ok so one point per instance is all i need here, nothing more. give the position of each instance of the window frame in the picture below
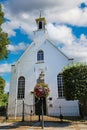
(21, 88)
(60, 86)
(40, 56)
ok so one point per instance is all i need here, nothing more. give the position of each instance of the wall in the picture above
(27, 66)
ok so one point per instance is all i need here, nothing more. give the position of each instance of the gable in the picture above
(45, 45)
(56, 48)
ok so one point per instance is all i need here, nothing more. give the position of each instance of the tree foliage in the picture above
(4, 41)
(5, 99)
(2, 86)
(3, 96)
(75, 81)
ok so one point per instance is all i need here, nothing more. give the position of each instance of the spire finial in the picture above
(40, 13)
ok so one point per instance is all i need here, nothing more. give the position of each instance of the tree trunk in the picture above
(83, 107)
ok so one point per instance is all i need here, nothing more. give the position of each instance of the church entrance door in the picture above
(38, 106)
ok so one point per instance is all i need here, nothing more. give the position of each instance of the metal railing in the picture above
(27, 112)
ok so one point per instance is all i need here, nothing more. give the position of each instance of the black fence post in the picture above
(23, 112)
(31, 112)
(60, 116)
(7, 111)
(42, 115)
(39, 117)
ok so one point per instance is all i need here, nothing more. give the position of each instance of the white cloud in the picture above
(21, 21)
(75, 16)
(78, 49)
(18, 6)
(19, 47)
(83, 39)
(5, 68)
(9, 28)
(71, 46)
(22, 14)
(7, 87)
(61, 34)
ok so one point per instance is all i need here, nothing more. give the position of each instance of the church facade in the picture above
(41, 58)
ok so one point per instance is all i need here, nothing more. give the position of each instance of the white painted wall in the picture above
(27, 66)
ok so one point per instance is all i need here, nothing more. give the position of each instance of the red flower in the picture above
(41, 90)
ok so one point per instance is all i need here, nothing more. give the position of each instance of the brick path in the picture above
(48, 126)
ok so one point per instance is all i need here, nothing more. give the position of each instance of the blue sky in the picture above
(66, 26)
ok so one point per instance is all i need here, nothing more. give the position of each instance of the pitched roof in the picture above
(52, 43)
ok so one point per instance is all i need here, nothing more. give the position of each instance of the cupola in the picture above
(41, 22)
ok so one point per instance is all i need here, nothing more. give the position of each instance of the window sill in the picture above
(60, 98)
(20, 99)
(39, 62)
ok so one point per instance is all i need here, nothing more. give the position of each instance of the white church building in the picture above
(41, 57)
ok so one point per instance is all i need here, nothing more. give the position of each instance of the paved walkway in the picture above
(47, 126)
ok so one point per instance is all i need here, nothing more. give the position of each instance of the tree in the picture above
(3, 96)
(2, 86)
(75, 82)
(4, 41)
(5, 99)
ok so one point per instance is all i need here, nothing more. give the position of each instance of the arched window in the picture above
(21, 88)
(60, 86)
(40, 25)
(40, 55)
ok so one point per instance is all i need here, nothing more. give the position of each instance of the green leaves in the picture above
(2, 85)
(1, 15)
(3, 96)
(4, 41)
(75, 81)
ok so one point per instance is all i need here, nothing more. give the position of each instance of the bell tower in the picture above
(41, 22)
(41, 31)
